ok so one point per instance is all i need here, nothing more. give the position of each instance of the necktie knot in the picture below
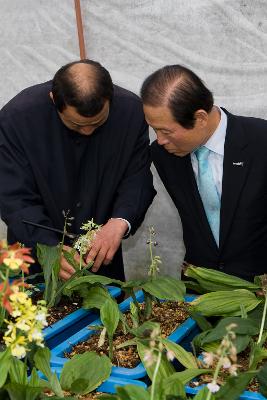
(202, 153)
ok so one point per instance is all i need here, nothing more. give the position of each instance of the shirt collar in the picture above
(216, 141)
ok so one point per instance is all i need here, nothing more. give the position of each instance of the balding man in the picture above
(75, 143)
(214, 166)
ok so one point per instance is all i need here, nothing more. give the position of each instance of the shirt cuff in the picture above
(129, 226)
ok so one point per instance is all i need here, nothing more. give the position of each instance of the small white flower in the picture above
(213, 387)
(208, 358)
(226, 363)
(37, 335)
(42, 318)
(170, 355)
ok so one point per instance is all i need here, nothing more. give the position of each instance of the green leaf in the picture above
(262, 378)
(42, 362)
(49, 259)
(165, 369)
(35, 380)
(91, 280)
(173, 387)
(96, 297)
(203, 393)
(184, 357)
(18, 372)
(223, 303)
(77, 370)
(243, 327)
(202, 322)
(220, 280)
(69, 257)
(188, 374)
(133, 283)
(18, 391)
(145, 329)
(133, 392)
(110, 315)
(5, 362)
(234, 386)
(165, 287)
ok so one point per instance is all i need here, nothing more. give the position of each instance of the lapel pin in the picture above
(239, 163)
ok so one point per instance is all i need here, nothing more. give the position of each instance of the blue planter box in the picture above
(181, 335)
(109, 386)
(66, 327)
(245, 396)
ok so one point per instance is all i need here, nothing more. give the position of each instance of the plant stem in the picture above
(216, 373)
(155, 376)
(263, 319)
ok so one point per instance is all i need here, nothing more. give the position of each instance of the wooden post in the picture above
(79, 23)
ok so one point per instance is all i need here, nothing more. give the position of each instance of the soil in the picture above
(169, 314)
(89, 396)
(66, 306)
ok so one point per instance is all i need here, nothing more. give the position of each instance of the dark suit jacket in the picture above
(46, 168)
(243, 220)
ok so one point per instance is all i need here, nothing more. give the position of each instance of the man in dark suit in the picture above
(76, 143)
(224, 228)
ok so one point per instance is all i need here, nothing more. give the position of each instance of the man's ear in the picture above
(51, 96)
(201, 118)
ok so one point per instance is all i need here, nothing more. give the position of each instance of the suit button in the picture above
(78, 205)
(221, 266)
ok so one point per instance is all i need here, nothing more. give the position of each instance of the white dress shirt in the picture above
(216, 145)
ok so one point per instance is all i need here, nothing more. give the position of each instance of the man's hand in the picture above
(106, 242)
(67, 270)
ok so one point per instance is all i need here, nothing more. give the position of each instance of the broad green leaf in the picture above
(42, 362)
(132, 392)
(18, 391)
(5, 362)
(70, 259)
(225, 303)
(188, 374)
(35, 380)
(173, 387)
(202, 322)
(165, 369)
(165, 287)
(77, 370)
(96, 297)
(49, 259)
(257, 354)
(184, 357)
(91, 280)
(212, 276)
(235, 386)
(243, 327)
(262, 378)
(203, 393)
(110, 315)
(145, 329)
(18, 372)
(133, 283)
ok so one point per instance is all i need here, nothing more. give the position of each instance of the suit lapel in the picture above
(235, 170)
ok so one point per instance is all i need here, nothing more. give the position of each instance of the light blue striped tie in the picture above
(208, 191)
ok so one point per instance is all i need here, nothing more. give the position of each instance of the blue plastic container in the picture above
(245, 396)
(181, 334)
(66, 327)
(109, 386)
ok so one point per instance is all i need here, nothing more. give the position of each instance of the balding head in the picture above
(180, 90)
(84, 85)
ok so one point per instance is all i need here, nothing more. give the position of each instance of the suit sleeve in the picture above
(136, 191)
(19, 196)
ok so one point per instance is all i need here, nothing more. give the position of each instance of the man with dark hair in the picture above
(214, 166)
(76, 143)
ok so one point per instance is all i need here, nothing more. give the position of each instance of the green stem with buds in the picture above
(153, 386)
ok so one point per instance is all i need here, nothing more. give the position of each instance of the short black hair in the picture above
(181, 90)
(86, 92)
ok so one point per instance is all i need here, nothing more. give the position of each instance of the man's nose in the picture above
(161, 140)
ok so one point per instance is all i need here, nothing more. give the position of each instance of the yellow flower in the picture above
(12, 262)
(19, 297)
(18, 351)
